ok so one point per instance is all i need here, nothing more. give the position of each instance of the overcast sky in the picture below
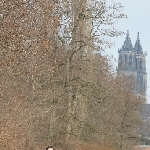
(138, 12)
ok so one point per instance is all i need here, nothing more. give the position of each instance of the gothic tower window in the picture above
(130, 57)
(130, 60)
(141, 81)
(144, 87)
(125, 57)
(120, 57)
(141, 84)
(136, 61)
(141, 64)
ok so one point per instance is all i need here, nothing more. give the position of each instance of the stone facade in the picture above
(131, 62)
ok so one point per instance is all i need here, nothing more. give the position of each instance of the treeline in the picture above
(55, 89)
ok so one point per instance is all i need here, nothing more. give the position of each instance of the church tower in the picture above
(131, 62)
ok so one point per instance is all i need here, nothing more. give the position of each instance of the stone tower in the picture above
(131, 62)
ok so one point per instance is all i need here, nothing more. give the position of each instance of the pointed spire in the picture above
(127, 33)
(127, 43)
(138, 47)
(138, 36)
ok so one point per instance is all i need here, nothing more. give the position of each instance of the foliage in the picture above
(54, 88)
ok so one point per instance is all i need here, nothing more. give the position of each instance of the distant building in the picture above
(131, 62)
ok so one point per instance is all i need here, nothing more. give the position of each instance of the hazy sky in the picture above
(138, 12)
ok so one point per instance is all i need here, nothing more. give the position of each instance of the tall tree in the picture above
(54, 89)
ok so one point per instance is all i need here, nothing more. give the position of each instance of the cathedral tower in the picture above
(131, 62)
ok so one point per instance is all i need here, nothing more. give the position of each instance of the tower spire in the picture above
(127, 33)
(127, 43)
(138, 36)
(138, 47)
